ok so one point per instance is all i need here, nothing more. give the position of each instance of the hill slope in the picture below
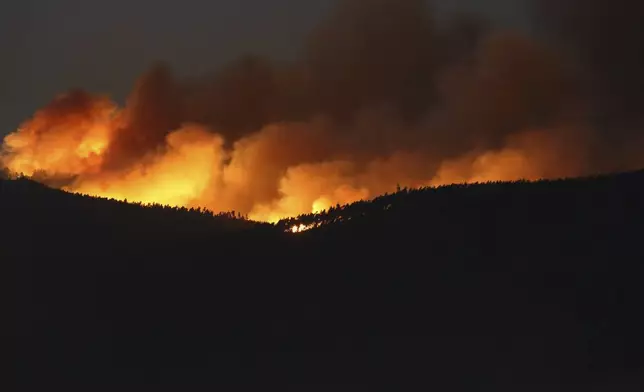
(525, 286)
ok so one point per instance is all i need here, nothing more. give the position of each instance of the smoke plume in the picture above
(606, 39)
(381, 96)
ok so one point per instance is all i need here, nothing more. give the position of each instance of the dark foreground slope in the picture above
(527, 286)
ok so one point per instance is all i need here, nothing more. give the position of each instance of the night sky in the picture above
(50, 46)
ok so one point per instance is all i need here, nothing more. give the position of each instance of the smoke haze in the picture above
(381, 96)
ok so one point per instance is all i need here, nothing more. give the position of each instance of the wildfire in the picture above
(60, 141)
(261, 175)
(164, 147)
(334, 126)
(301, 228)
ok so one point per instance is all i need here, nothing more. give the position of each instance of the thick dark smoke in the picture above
(380, 95)
(380, 61)
(372, 53)
(154, 108)
(606, 38)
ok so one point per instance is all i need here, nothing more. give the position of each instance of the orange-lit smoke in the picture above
(283, 170)
(336, 127)
(70, 136)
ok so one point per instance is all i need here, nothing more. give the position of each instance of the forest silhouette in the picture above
(498, 286)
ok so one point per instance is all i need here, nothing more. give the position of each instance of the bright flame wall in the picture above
(371, 104)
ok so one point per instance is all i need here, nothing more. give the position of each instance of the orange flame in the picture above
(270, 175)
(301, 228)
(422, 117)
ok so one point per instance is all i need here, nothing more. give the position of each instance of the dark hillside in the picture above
(508, 286)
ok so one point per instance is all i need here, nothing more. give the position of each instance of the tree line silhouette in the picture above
(499, 286)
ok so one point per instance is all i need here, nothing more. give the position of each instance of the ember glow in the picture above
(334, 127)
(301, 228)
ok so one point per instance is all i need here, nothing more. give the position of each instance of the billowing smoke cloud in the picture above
(606, 40)
(607, 36)
(153, 108)
(381, 96)
(372, 53)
